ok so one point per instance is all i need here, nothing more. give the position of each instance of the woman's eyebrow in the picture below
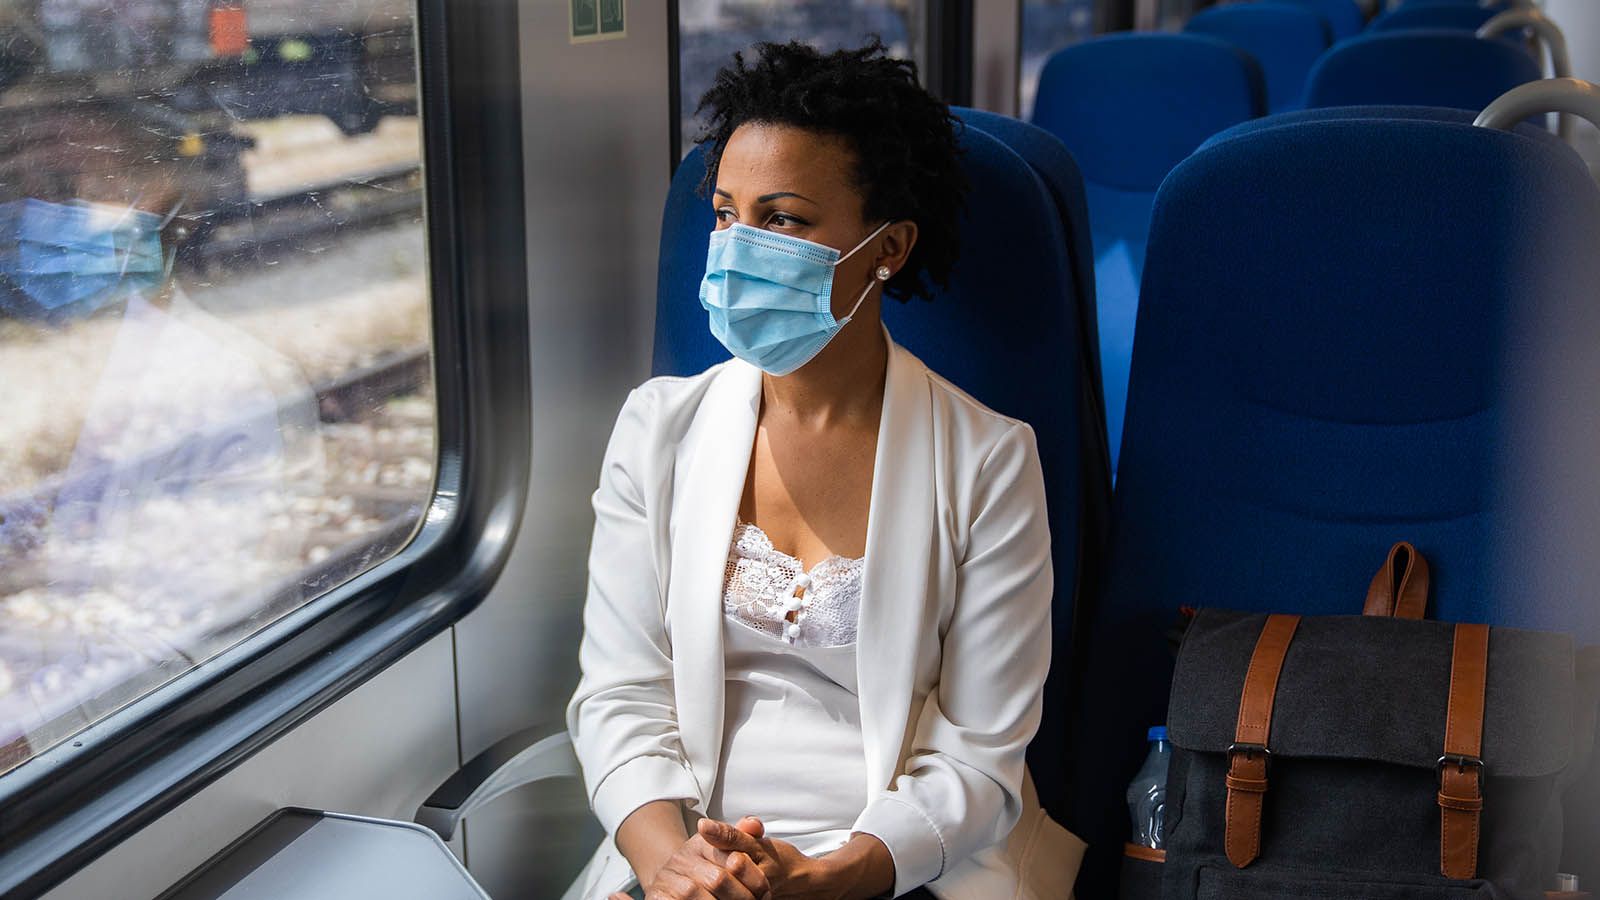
(768, 198)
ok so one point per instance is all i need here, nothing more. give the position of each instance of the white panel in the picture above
(378, 752)
(597, 158)
(1580, 23)
(996, 36)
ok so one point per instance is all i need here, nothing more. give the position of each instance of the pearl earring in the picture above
(883, 273)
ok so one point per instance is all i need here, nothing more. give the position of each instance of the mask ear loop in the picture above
(868, 289)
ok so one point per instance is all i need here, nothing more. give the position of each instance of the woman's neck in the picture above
(842, 383)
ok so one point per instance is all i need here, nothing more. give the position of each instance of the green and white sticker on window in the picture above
(598, 20)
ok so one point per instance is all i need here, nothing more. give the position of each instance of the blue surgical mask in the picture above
(770, 296)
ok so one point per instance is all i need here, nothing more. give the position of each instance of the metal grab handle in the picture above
(1564, 95)
(1548, 33)
(534, 754)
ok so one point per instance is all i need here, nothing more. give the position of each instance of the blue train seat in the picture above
(1053, 163)
(1425, 67)
(1286, 38)
(1000, 331)
(1435, 14)
(1129, 107)
(1352, 331)
(1344, 17)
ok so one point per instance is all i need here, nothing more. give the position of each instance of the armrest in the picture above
(533, 754)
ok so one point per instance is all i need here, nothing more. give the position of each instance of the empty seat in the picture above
(1344, 17)
(1433, 67)
(1353, 331)
(1129, 107)
(1285, 38)
(1000, 331)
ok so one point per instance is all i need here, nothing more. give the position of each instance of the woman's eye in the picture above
(724, 215)
(784, 220)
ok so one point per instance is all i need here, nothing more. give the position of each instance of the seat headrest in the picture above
(1459, 16)
(1425, 67)
(1344, 16)
(1334, 113)
(1131, 106)
(1285, 38)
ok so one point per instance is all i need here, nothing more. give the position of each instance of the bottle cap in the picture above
(1158, 733)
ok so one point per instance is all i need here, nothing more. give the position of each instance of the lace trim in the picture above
(760, 585)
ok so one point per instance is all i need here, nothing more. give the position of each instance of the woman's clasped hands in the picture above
(730, 862)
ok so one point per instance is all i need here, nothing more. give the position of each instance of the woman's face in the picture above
(792, 181)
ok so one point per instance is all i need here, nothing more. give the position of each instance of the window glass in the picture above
(711, 31)
(215, 379)
(1047, 26)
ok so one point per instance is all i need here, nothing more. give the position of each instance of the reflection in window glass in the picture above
(1047, 26)
(711, 31)
(215, 379)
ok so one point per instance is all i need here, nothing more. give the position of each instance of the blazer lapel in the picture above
(897, 602)
(713, 462)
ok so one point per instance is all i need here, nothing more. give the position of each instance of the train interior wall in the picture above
(596, 146)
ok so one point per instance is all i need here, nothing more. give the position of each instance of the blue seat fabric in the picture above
(1429, 67)
(1053, 163)
(1000, 331)
(1353, 331)
(1129, 107)
(1285, 38)
(1433, 15)
(1344, 17)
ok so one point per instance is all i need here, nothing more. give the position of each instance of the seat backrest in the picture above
(1344, 17)
(1000, 331)
(1286, 38)
(1425, 67)
(1435, 14)
(1353, 331)
(1053, 163)
(1129, 107)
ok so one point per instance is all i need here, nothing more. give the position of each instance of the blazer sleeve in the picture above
(622, 717)
(961, 788)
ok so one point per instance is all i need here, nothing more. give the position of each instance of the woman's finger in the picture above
(752, 826)
(749, 874)
(721, 883)
(723, 836)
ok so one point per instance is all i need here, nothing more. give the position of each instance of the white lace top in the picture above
(791, 742)
(763, 585)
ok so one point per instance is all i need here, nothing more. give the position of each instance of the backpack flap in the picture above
(1357, 731)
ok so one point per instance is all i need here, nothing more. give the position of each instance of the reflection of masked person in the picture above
(168, 532)
(60, 261)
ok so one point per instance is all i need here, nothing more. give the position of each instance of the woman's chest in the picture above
(811, 492)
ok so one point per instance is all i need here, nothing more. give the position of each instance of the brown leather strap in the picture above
(1461, 767)
(1247, 758)
(1146, 854)
(1400, 589)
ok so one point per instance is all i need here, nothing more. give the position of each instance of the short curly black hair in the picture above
(908, 164)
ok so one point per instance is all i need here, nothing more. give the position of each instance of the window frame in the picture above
(72, 802)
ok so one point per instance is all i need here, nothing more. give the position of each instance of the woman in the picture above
(818, 614)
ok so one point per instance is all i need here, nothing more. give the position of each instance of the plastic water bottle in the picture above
(1147, 793)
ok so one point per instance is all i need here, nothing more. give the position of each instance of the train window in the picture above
(216, 397)
(711, 31)
(1047, 26)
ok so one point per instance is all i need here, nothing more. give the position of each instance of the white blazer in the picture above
(953, 638)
